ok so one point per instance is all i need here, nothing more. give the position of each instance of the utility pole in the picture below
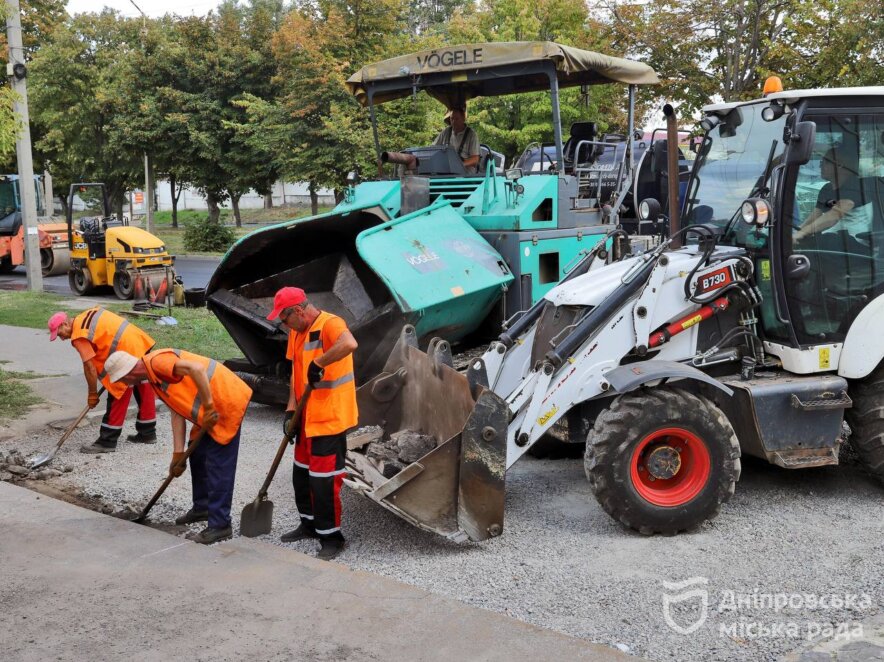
(17, 73)
(148, 175)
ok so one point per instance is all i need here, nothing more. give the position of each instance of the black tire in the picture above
(6, 265)
(680, 424)
(47, 260)
(80, 280)
(195, 297)
(124, 285)
(866, 421)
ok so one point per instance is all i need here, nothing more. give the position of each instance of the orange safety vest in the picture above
(108, 332)
(230, 394)
(331, 408)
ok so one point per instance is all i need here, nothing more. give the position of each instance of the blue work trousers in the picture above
(212, 473)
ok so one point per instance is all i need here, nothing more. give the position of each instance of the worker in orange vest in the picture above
(97, 333)
(321, 350)
(209, 395)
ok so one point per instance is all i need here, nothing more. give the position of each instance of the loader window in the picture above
(837, 224)
(729, 168)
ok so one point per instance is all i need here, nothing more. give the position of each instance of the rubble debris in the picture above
(412, 446)
(14, 466)
(392, 455)
(364, 436)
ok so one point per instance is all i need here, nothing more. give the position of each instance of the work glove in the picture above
(314, 373)
(286, 422)
(210, 418)
(175, 468)
(93, 399)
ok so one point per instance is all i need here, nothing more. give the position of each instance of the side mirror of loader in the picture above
(800, 140)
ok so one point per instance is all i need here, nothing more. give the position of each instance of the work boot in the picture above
(142, 438)
(301, 533)
(330, 548)
(209, 535)
(192, 516)
(97, 447)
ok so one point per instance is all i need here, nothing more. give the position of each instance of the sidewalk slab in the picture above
(83, 586)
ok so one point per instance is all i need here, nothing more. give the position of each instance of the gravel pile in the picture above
(14, 466)
(562, 563)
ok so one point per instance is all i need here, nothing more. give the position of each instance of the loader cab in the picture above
(10, 203)
(817, 159)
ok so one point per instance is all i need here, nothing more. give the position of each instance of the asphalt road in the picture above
(195, 271)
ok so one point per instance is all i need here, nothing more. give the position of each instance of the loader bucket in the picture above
(457, 489)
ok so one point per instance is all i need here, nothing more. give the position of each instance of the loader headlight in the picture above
(649, 209)
(755, 211)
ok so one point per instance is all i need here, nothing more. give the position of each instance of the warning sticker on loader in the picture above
(825, 358)
(548, 415)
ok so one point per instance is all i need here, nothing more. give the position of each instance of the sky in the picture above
(150, 7)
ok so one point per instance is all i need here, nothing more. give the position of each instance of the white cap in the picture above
(118, 365)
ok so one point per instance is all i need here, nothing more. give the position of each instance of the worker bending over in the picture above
(96, 334)
(321, 350)
(209, 395)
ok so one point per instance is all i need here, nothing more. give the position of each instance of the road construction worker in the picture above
(96, 334)
(209, 395)
(321, 350)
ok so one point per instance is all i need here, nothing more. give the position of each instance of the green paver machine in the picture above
(434, 246)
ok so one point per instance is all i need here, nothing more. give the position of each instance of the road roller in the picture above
(52, 236)
(107, 251)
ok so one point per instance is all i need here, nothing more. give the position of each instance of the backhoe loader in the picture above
(754, 329)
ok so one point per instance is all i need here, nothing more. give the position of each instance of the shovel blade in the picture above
(42, 460)
(256, 518)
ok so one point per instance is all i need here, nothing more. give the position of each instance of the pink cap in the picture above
(56, 321)
(285, 298)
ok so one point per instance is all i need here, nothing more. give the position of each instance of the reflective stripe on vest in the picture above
(197, 403)
(93, 325)
(337, 382)
(113, 346)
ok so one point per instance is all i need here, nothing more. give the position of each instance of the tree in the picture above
(705, 51)
(74, 86)
(509, 124)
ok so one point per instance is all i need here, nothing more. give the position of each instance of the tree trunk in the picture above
(174, 201)
(268, 201)
(64, 203)
(234, 202)
(119, 202)
(314, 199)
(214, 209)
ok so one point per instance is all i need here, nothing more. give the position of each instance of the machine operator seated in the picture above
(461, 138)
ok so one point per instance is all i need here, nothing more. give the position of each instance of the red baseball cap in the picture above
(56, 321)
(285, 298)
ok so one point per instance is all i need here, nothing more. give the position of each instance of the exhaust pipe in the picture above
(672, 172)
(410, 161)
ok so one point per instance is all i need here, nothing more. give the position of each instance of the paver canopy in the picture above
(456, 73)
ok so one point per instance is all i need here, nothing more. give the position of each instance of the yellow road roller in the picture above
(107, 251)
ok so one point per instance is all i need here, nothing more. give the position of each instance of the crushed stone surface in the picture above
(561, 562)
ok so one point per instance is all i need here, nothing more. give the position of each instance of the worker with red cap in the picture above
(320, 347)
(209, 395)
(97, 333)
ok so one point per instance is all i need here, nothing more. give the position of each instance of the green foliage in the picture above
(207, 235)
(15, 396)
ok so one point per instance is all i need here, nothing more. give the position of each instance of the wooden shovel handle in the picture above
(183, 461)
(294, 424)
(73, 426)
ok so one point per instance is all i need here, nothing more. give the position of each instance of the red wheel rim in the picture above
(688, 481)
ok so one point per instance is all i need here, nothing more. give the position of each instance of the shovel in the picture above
(181, 463)
(257, 517)
(42, 460)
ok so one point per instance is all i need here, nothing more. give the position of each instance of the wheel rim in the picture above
(689, 473)
(45, 259)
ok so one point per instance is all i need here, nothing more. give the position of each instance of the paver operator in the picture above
(321, 348)
(96, 334)
(200, 390)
